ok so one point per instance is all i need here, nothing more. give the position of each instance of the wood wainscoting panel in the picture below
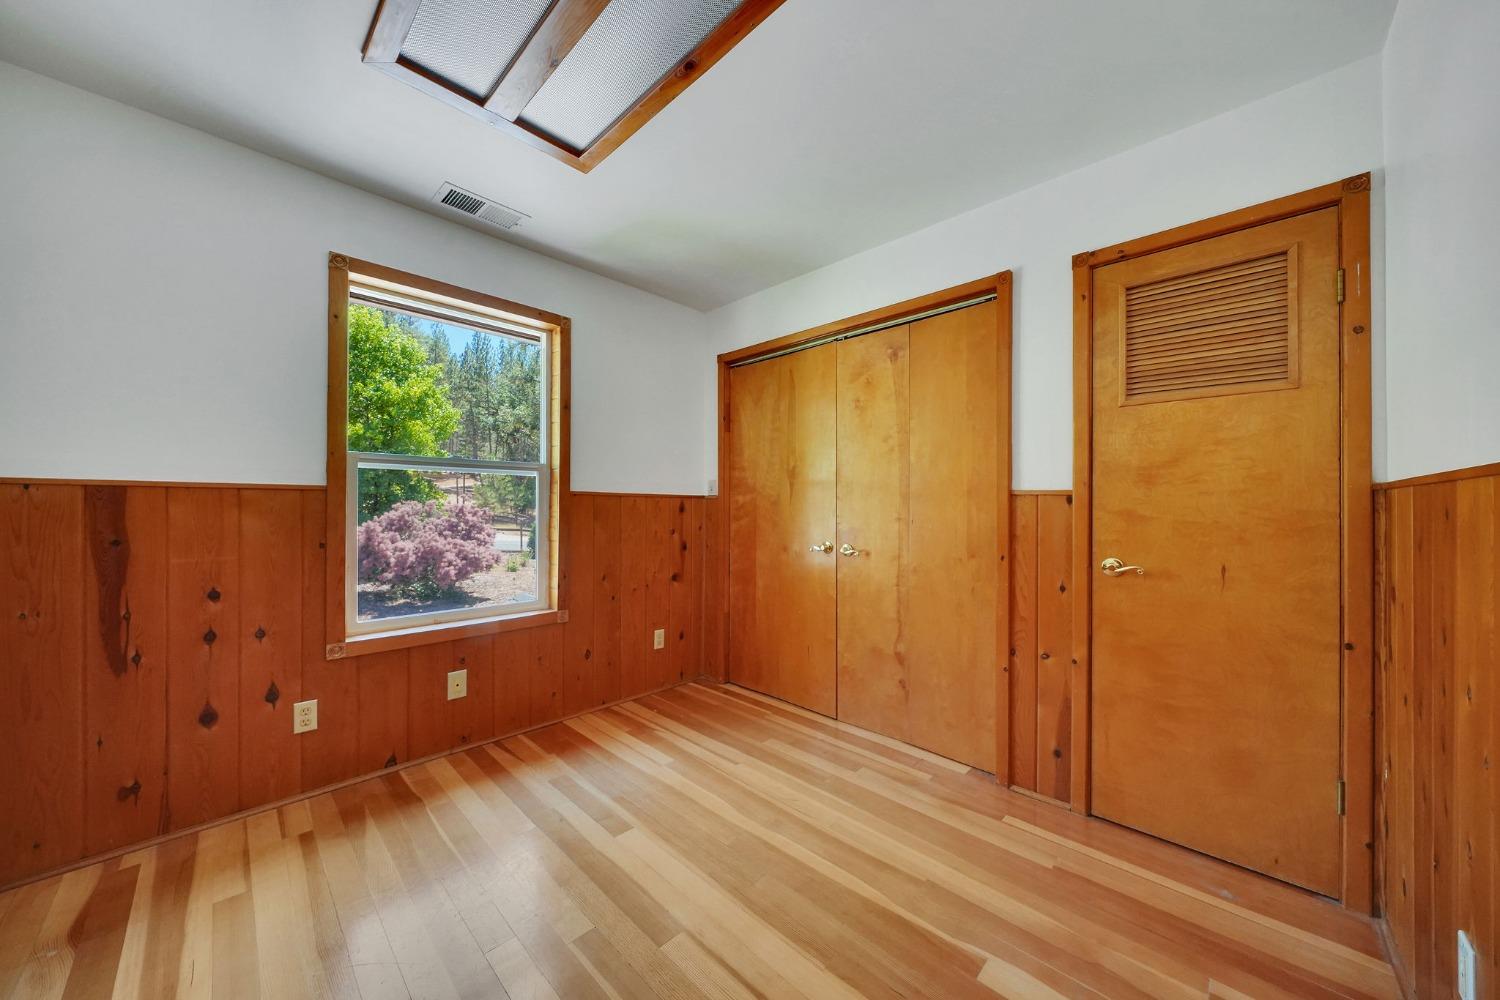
(715, 589)
(578, 568)
(1054, 642)
(124, 664)
(1041, 644)
(155, 639)
(1438, 646)
(657, 533)
(270, 547)
(686, 535)
(203, 663)
(384, 733)
(600, 591)
(1023, 660)
(42, 711)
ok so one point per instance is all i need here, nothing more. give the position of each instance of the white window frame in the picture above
(407, 301)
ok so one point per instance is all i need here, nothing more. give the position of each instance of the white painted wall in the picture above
(162, 295)
(1442, 141)
(1319, 131)
(162, 291)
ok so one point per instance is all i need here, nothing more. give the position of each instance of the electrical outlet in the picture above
(458, 684)
(305, 716)
(1467, 960)
(659, 639)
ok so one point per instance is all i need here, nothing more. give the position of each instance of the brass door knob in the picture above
(848, 550)
(824, 547)
(1116, 567)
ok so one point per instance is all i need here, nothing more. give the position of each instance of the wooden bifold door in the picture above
(866, 522)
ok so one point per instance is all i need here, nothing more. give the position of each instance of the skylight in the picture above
(574, 78)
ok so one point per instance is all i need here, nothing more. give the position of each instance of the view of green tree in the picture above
(496, 385)
(398, 403)
(419, 387)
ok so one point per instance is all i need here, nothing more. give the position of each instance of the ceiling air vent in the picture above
(491, 213)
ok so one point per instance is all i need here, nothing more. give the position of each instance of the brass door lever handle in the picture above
(848, 550)
(824, 547)
(1116, 567)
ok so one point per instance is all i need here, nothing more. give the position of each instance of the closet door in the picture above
(874, 443)
(955, 618)
(919, 481)
(782, 564)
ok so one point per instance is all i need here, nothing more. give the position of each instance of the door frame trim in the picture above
(1000, 285)
(1351, 197)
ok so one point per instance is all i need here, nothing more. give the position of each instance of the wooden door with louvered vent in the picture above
(1215, 692)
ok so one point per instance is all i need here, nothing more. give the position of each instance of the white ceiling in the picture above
(836, 126)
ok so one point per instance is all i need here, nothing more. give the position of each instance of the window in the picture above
(445, 444)
(573, 79)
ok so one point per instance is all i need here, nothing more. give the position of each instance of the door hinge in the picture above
(1339, 795)
(1339, 285)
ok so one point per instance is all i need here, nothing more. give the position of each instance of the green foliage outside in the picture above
(398, 403)
(497, 384)
(410, 394)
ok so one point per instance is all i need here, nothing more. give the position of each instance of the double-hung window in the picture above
(447, 429)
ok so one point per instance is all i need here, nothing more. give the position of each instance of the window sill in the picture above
(426, 635)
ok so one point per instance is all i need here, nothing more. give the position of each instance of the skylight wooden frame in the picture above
(552, 39)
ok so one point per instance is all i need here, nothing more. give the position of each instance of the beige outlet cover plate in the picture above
(458, 684)
(305, 716)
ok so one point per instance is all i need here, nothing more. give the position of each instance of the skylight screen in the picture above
(470, 42)
(632, 45)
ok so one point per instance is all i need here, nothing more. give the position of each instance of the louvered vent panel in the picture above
(463, 201)
(1228, 329)
(486, 210)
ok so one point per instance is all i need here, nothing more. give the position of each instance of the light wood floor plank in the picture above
(700, 842)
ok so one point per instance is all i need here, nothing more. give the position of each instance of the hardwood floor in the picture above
(705, 841)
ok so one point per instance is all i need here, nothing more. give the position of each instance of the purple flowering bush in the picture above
(426, 549)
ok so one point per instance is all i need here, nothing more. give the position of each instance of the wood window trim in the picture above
(1001, 287)
(338, 643)
(1351, 197)
(551, 40)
